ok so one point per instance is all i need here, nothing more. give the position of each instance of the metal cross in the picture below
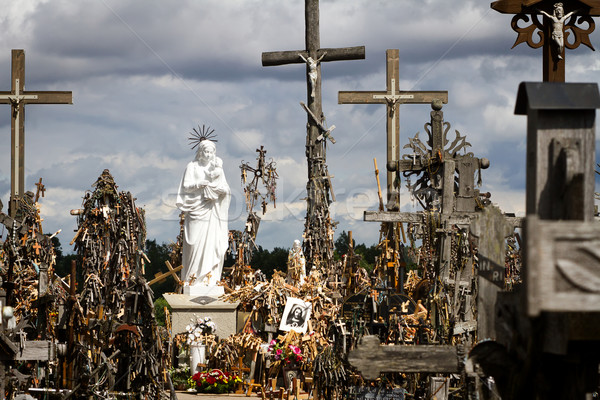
(17, 98)
(392, 97)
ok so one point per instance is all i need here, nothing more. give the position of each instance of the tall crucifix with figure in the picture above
(392, 97)
(559, 20)
(318, 241)
(17, 98)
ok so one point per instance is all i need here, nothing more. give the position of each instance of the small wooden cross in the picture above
(392, 97)
(40, 189)
(163, 276)
(37, 248)
(118, 206)
(17, 98)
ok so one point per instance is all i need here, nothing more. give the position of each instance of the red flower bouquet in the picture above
(215, 381)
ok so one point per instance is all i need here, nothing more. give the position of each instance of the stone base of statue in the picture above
(199, 291)
(188, 307)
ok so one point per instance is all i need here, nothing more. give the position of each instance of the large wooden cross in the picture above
(392, 97)
(318, 186)
(17, 98)
(553, 56)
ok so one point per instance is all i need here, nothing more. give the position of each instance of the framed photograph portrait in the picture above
(295, 315)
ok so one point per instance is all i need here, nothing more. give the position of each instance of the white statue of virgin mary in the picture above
(204, 197)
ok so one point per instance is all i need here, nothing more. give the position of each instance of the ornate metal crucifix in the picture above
(318, 242)
(392, 97)
(559, 19)
(17, 98)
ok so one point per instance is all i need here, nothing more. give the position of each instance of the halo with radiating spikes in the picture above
(201, 134)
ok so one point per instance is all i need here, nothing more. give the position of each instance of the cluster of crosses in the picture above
(543, 333)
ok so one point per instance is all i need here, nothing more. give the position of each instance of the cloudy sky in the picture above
(144, 73)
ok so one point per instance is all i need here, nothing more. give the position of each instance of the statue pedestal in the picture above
(200, 291)
(186, 307)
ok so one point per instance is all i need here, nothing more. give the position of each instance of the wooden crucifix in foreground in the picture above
(559, 19)
(392, 97)
(17, 98)
(318, 241)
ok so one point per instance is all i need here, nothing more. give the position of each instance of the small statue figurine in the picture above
(558, 24)
(204, 197)
(296, 265)
(312, 71)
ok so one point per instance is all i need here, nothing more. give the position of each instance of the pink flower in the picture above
(278, 352)
(295, 350)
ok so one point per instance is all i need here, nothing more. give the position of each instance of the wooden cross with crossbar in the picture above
(17, 98)
(172, 271)
(392, 98)
(318, 193)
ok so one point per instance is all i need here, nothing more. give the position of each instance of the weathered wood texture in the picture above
(563, 266)
(492, 228)
(371, 358)
(560, 148)
(405, 96)
(40, 350)
(418, 217)
(274, 58)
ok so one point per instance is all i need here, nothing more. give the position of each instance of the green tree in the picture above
(342, 245)
(268, 261)
(159, 310)
(368, 254)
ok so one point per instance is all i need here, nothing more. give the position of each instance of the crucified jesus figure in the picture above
(312, 71)
(558, 22)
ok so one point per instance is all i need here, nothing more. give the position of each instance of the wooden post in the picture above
(491, 228)
(70, 359)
